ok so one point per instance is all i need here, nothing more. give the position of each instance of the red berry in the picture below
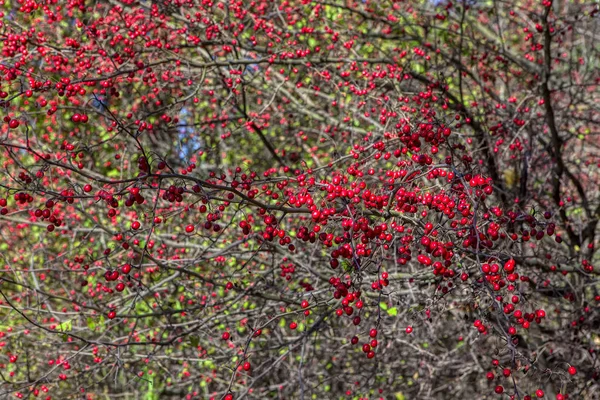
(189, 228)
(572, 370)
(125, 269)
(111, 314)
(13, 124)
(225, 336)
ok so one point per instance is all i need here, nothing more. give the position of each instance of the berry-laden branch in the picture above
(299, 199)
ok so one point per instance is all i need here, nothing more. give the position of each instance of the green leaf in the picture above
(150, 391)
(346, 265)
(91, 324)
(392, 311)
(194, 340)
(383, 306)
(65, 326)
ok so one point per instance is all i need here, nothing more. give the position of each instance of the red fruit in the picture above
(135, 225)
(13, 124)
(572, 370)
(409, 329)
(293, 325)
(499, 389)
(111, 315)
(125, 269)
(304, 303)
(189, 228)
(509, 267)
(120, 287)
(87, 188)
(225, 336)
(247, 366)
(539, 393)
